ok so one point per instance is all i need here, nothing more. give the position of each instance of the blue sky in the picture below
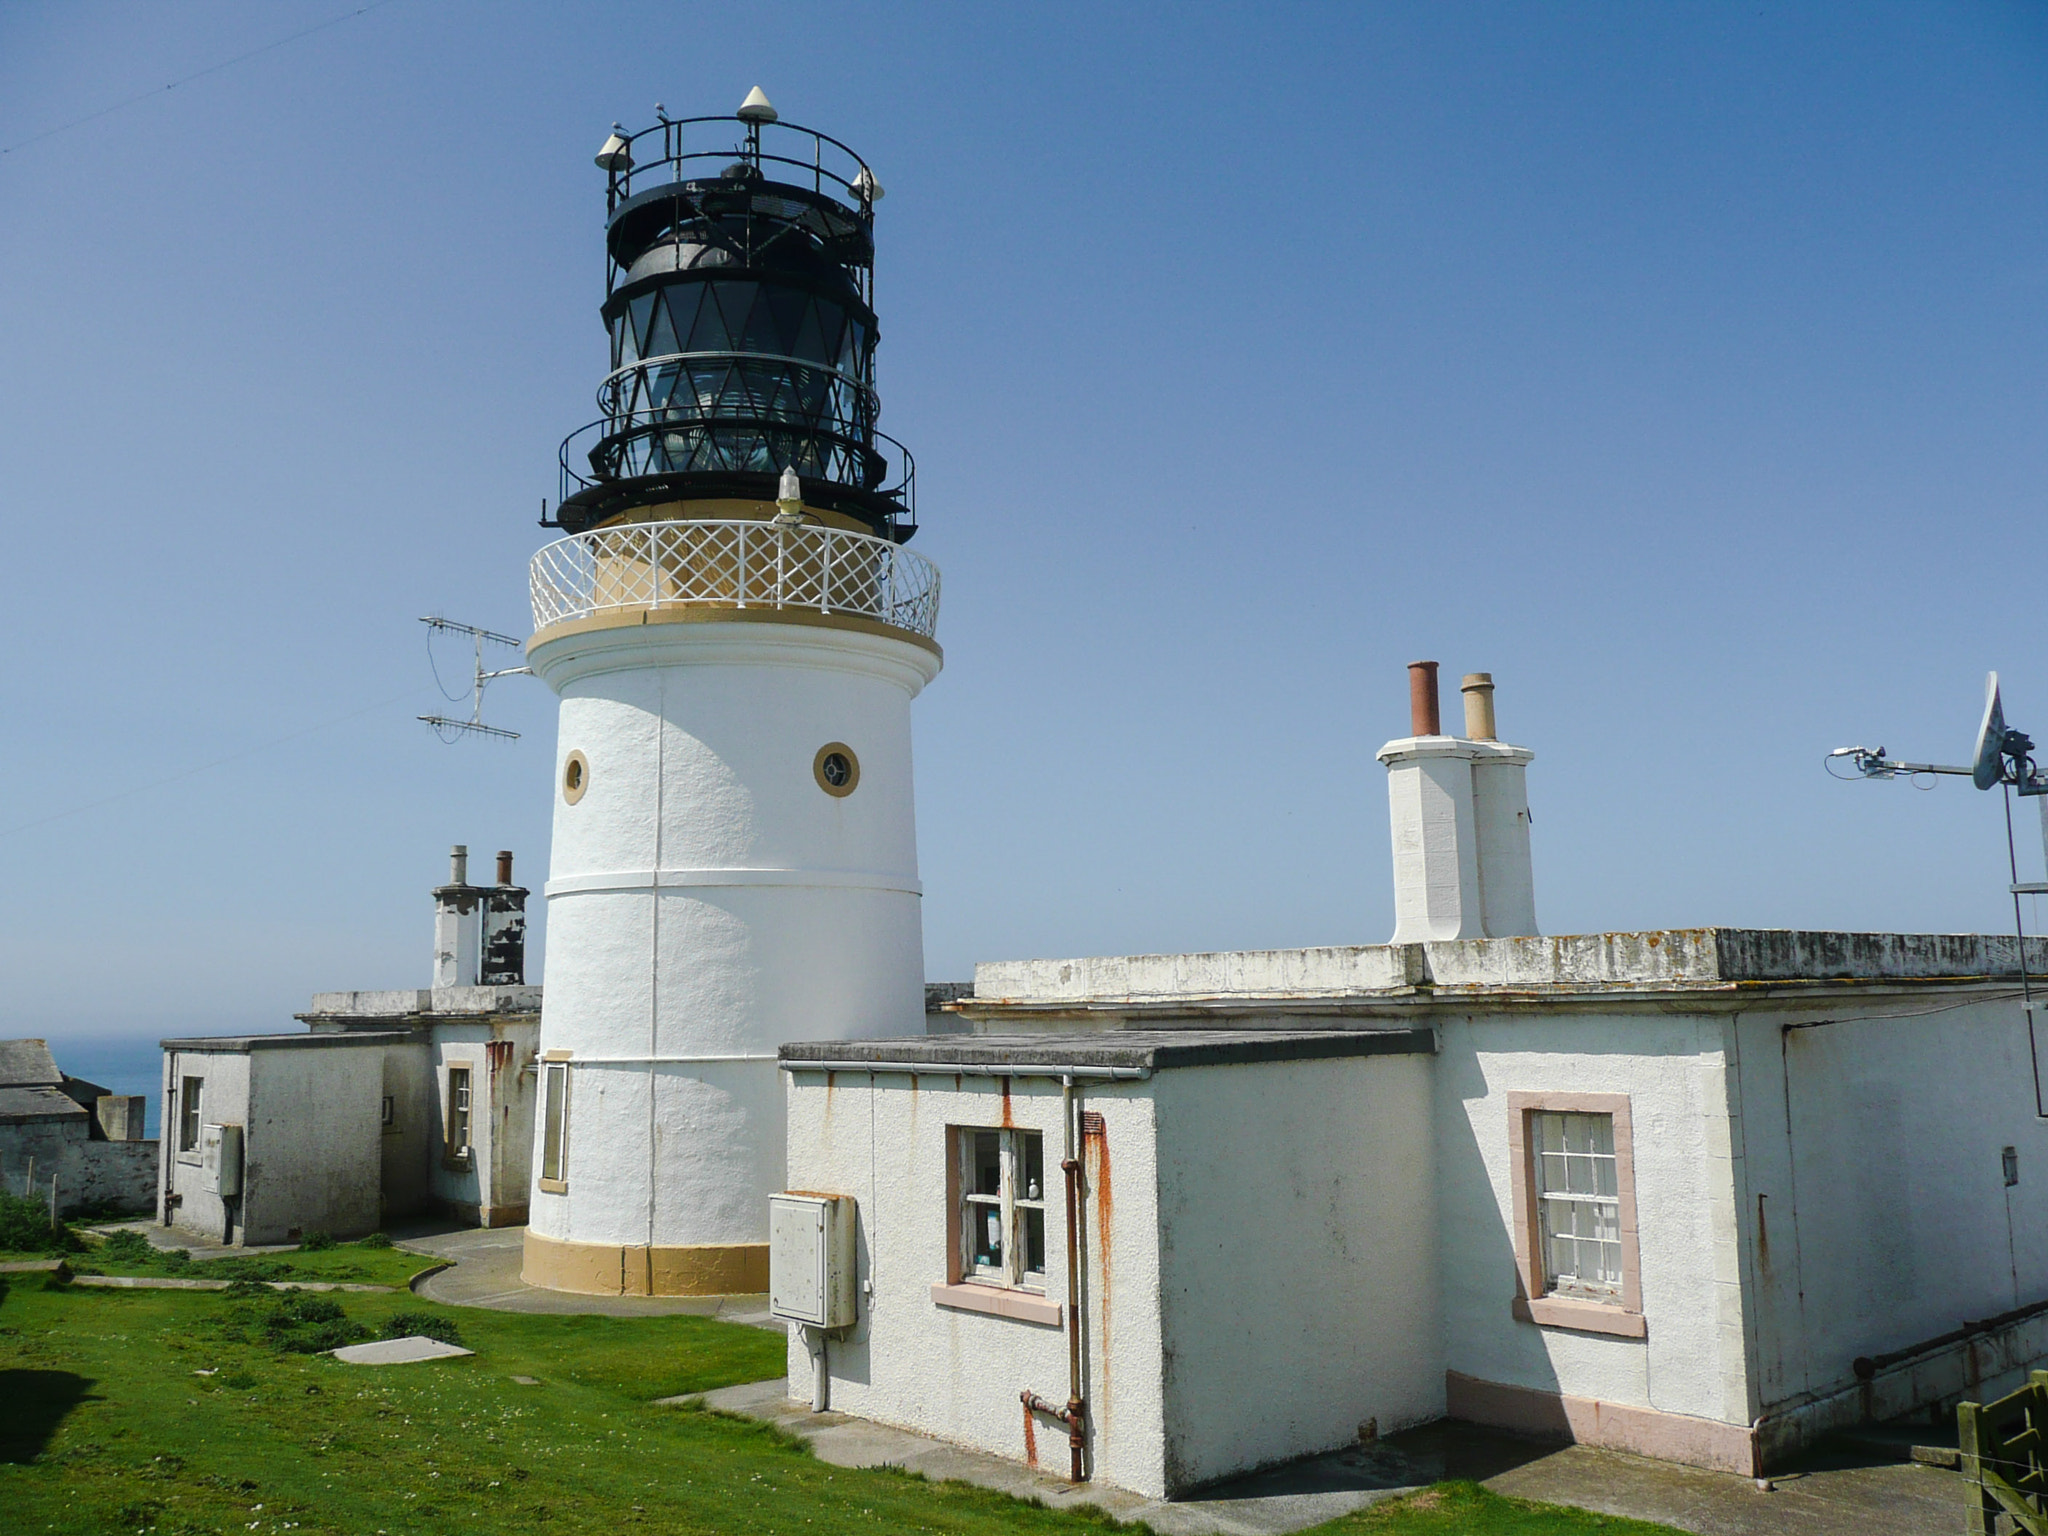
(1683, 365)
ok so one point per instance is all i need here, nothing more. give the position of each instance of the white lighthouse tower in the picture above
(736, 633)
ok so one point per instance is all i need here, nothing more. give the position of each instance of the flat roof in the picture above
(1133, 1052)
(236, 1044)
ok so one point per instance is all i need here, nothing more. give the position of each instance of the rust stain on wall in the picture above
(1007, 1121)
(1095, 1149)
(1030, 1439)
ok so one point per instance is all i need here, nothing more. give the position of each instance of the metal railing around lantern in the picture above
(734, 565)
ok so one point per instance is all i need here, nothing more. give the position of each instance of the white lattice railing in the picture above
(734, 565)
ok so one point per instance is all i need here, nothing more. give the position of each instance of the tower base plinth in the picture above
(608, 1269)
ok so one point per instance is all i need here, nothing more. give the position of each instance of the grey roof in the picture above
(240, 1044)
(40, 1103)
(1149, 1050)
(27, 1061)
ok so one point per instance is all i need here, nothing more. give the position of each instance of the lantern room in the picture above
(739, 306)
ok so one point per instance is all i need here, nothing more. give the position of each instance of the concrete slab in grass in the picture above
(399, 1351)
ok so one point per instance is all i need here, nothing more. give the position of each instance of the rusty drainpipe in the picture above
(1425, 716)
(1070, 1165)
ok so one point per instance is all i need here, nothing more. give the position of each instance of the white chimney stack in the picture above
(1460, 822)
(458, 925)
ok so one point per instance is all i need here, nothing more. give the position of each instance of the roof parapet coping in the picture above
(438, 1001)
(1118, 1054)
(1658, 960)
(239, 1045)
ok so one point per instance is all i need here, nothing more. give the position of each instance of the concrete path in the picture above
(486, 1274)
(1844, 1498)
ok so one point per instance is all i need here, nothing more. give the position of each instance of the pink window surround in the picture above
(998, 1301)
(960, 1292)
(1532, 1301)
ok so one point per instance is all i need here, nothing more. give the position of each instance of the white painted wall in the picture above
(312, 1156)
(491, 1186)
(224, 1100)
(312, 1150)
(957, 1374)
(1884, 1218)
(708, 902)
(408, 1142)
(1674, 1068)
(1297, 1258)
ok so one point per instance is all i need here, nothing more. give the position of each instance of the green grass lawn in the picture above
(171, 1411)
(350, 1262)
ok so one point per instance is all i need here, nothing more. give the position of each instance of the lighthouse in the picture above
(735, 631)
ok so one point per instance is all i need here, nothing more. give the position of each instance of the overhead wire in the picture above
(434, 667)
(197, 74)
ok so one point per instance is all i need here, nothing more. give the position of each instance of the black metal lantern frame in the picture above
(739, 297)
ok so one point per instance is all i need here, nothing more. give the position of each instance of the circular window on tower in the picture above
(575, 777)
(836, 769)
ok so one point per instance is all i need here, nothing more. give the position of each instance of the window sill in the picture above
(188, 1159)
(554, 1186)
(1583, 1316)
(997, 1302)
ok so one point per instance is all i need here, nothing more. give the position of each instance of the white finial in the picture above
(757, 108)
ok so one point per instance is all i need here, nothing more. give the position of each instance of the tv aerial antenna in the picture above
(447, 728)
(2003, 759)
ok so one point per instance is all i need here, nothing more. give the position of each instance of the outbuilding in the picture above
(1702, 1194)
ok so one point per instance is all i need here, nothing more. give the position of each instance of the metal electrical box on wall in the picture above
(220, 1160)
(811, 1259)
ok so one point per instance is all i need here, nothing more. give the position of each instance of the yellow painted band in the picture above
(725, 613)
(609, 1269)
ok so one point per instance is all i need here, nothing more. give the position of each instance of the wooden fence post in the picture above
(1980, 1516)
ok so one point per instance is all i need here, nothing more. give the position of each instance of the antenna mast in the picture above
(2004, 760)
(450, 729)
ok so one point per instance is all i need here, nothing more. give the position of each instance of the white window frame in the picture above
(191, 1096)
(459, 1113)
(554, 1123)
(1012, 1207)
(1578, 1202)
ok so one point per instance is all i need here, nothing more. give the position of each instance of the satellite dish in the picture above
(1988, 766)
